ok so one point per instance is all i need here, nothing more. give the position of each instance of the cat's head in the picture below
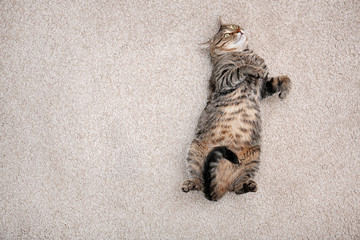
(229, 38)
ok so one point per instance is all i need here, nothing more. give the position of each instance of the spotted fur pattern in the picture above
(225, 153)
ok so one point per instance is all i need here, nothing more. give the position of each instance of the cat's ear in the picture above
(205, 44)
(221, 22)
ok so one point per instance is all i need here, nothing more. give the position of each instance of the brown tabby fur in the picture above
(224, 155)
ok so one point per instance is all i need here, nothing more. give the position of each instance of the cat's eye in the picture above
(235, 27)
(226, 35)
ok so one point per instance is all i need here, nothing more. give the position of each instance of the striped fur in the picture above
(225, 153)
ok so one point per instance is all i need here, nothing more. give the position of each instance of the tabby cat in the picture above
(224, 155)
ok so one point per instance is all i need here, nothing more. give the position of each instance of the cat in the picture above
(225, 153)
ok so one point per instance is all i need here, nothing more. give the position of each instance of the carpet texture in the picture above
(99, 103)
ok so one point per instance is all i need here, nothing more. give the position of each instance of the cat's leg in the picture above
(250, 160)
(230, 78)
(252, 71)
(273, 85)
(195, 162)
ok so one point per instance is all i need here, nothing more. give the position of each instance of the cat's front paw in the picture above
(284, 87)
(191, 184)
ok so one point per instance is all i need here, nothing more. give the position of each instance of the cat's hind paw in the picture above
(250, 186)
(191, 184)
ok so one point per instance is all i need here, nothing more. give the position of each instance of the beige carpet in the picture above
(100, 99)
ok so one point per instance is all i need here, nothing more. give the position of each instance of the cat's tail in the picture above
(217, 171)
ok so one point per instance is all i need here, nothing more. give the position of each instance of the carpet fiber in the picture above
(99, 102)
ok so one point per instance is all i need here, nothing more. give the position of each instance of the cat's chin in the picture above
(240, 36)
(240, 43)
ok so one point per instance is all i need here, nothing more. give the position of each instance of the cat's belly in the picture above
(238, 126)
